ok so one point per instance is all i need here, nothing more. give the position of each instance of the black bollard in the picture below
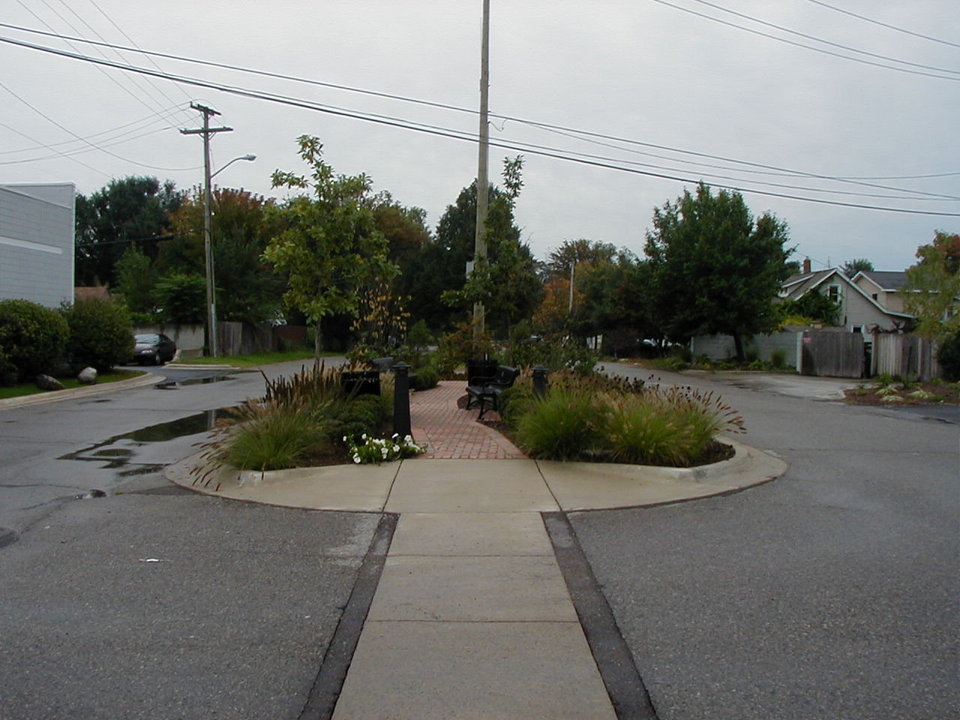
(540, 381)
(401, 399)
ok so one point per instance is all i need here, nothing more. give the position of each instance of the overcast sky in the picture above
(663, 90)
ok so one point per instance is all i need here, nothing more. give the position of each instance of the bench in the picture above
(485, 390)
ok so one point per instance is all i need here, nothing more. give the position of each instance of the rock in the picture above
(45, 382)
(88, 376)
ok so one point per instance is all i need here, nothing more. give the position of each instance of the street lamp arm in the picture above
(242, 157)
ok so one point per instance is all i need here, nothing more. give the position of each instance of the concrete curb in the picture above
(52, 396)
(574, 486)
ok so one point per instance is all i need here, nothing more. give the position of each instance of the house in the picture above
(861, 310)
(36, 243)
(887, 288)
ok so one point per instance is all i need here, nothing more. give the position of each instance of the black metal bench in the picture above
(485, 390)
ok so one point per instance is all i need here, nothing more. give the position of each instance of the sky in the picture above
(818, 112)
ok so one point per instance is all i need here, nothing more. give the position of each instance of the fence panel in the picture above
(905, 356)
(833, 354)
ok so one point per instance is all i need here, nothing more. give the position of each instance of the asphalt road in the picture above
(151, 601)
(829, 593)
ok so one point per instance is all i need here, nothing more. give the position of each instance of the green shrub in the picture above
(565, 425)
(33, 339)
(100, 334)
(778, 359)
(644, 432)
(949, 357)
(426, 377)
(276, 438)
(515, 401)
(353, 417)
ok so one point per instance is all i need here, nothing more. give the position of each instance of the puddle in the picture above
(119, 451)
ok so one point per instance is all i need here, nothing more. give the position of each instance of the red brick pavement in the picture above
(452, 433)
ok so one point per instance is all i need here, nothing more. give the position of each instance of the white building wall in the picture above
(36, 243)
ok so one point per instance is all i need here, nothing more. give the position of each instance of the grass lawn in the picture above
(31, 389)
(255, 360)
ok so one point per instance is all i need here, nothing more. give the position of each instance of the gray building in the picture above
(36, 243)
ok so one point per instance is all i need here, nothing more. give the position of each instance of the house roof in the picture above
(796, 286)
(885, 280)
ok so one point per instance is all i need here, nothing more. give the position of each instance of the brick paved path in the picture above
(454, 433)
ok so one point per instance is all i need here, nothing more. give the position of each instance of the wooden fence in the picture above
(905, 355)
(832, 354)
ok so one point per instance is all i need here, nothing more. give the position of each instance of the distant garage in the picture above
(36, 243)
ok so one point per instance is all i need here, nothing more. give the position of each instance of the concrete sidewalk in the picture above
(472, 617)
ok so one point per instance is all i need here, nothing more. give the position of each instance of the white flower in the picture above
(363, 437)
(356, 459)
(396, 448)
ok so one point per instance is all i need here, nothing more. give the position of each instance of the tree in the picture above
(575, 252)
(714, 269)
(130, 211)
(932, 292)
(248, 289)
(328, 247)
(852, 267)
(507, 281)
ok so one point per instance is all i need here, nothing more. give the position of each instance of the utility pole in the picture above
(483, 183)
(207, 131)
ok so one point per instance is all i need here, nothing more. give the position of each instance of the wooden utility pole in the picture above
(207, 131)
(483, 183)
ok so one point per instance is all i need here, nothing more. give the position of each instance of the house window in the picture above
(833, 292)
(874, 296)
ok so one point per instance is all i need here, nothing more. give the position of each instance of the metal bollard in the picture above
(401, 399)
(540, 381)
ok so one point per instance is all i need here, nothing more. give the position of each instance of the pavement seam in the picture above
(616, 665)
(322, 700)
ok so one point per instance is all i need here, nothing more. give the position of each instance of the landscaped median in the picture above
(535, 485)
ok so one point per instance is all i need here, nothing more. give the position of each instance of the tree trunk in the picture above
(738, 344)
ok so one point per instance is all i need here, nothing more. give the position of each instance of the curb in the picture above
(52, 396)
(748, 468)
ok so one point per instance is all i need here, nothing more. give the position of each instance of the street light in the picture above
(208, 250)
(242, 157)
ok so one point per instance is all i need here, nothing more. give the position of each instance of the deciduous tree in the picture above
(328, 247)
(715, 269)
(933, 287)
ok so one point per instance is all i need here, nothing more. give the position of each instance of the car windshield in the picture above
(148, 338)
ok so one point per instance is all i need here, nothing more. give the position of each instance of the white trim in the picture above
(26, 244)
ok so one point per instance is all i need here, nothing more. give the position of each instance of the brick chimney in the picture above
(806, 266)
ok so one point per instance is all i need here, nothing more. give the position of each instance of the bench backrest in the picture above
(506, 376)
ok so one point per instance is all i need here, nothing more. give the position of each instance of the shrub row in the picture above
(35, 339)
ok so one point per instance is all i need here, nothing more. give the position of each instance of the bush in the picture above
(426, 377)
(949, 357)
(565, 425)
(357, 416)
(100, 334)
(620, 421)
(33, 339)
(778, 359)
(273, 438)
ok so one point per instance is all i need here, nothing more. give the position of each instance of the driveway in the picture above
(828, 593)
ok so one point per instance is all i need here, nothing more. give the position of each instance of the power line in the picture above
(452, 134)
(472, 112)
(801, 45)
(821, 40)
(886, 25)
(83, 140)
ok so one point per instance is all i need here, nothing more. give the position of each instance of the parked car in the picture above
(153, 348)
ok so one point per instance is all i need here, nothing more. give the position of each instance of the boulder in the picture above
(88, 376)
(45, 382)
